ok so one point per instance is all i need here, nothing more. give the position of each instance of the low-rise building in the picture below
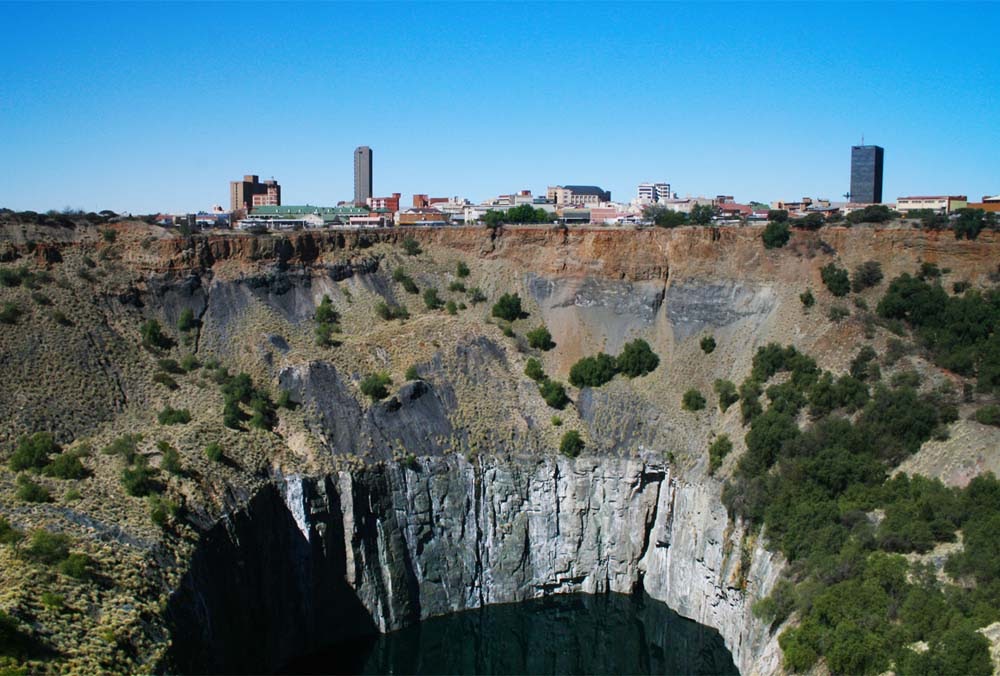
(389, 203)
(577, 195)
(944, 204)
(308, 216)
(422, 216)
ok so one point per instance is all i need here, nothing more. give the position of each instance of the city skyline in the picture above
(746, 100)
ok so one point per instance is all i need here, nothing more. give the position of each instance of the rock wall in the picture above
(407, 543)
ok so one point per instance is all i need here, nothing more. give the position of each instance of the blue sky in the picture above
(153, 107)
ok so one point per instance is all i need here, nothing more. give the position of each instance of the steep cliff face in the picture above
(387, 546)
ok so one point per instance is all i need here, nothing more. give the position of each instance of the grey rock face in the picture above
(449, 535)
(693, 307)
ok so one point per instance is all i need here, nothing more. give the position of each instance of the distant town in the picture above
(256, 205)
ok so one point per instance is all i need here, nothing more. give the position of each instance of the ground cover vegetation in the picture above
(819, 491)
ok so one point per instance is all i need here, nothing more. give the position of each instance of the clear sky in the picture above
(156, 107)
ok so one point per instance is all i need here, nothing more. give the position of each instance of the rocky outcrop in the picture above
(405, 543)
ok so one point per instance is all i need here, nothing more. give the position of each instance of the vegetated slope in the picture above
(128, 349)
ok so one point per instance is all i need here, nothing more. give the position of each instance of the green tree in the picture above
(717, 452)
(325, 312)
(807, 298)
(186, 321)
(33, 451)
(989, 415)
(508, 307)
(31, 491)
(593, 371)
(777, 215)
(775, 235)
(664, 217)
(727, 393)
(707, 344)
(553, 393)
(874, 213)
(153, 337)
(375, 385)
(540, 338)
(571, 444)
(693, 400)
(431, 299)
(636, 359)
(836, 279)
(462, 270)
(533, 369)
(702, 214)
(66, 466)
(971, 222)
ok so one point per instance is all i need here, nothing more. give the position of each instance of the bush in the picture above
(875, 213)
(41, 298)
(399, 275)
(411, 247)
(431, 299)
(533, 369)
(375, 385)
(553, 393)
(10, 278)
(708, 344)
(540, 338)
(807, 298)
(989, 415)
(285, 400)
(451, 308)
(389, 312)
(153, 337)
(47, 548)
(412, 373)
(9, 314)
(190, 363)
(571, 444)
(461, 269)
(325, 312)
(324, 334)
(138, 478)
(838, 312)
(836, 279)
(66, 466)
(173, 416)
(593, 371)
(213, 452)
(170, 459)
(33, 451)
(717, 452)
(125, 446)
(866, 275)
(29, 491)
(693, 400)
(556, 421)
(508, 307)
(636, 359)
(476, 296)
(775, 235)
(456, 287)
(727, 393)
(166, 380)
(8, 534)
(162, 510)
(78, 566)
(777, 215)
(186, 321)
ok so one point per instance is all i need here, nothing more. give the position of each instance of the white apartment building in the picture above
(651, 193)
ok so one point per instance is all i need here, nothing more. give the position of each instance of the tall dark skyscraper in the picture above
(866, 174)
(363, 174)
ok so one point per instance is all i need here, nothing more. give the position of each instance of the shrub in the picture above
(693, 400)
(508, 307)
(41, 298)
(571, 444)
(553, 393)
(456, 287)
(213, 452)
(727, 393)
(162, 510)
(10, 313)
(59, 317)
(375, 385)
(989, 415)
(78, 566)
(389, 312)
(138, 478)
(285, 400)
(717, 452)
(838, 312)
(777, 215)
(8, 534)
(124, 446)
(431, 299)
(461, 269)
(166, 380)
(864, 365)
(476, 296)
(324, 334)
(325, 312)
(533, 369)
(66, 466)
(636, 359)
(807, 298)
(190, 363)
(47, 548)
(875, 213)
(10, 278)
(186, 321)
(33, 451)
(556, 421)
(836, 279)
(866, 275)
(399, 275)
(708, 344)
(173, 416)
(540, 338)
(961, 287)
(411, 247)
(153, 337)
(30, 491)
(775, 235)
(170, 460)
(508, 330)
(451, 308)
(928, 271)
(593, 371)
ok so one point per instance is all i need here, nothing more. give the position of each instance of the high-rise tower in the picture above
(362, 174)
(866, 174)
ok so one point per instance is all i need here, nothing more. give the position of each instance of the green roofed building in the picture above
(309, 216)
